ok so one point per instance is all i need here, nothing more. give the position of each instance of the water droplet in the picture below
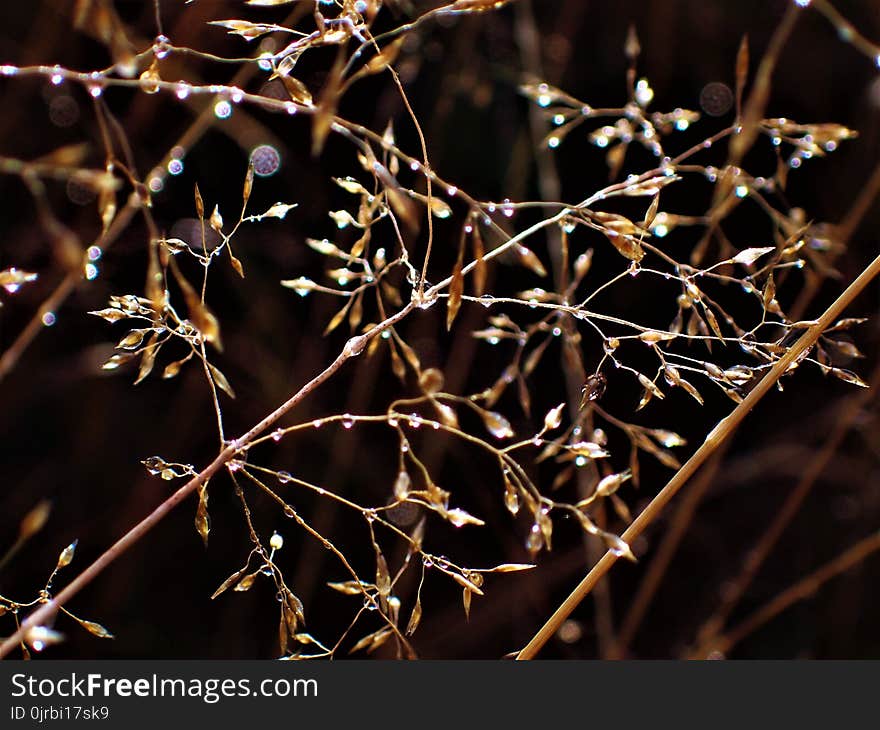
(544, 100)
(7, 70)
(48, 319)
(265, 62)
(553, 142)
(452, 191)
(370, 604)
(90, 271)
(317, 423)
(95, 90)
(347, 421)
(414, 421)
(175, 166)
(222, 109)
(356, 345)
(283, 477)
(277, 435)
(182, 91)
(557, 331)
(428, 561)
(56, 79)
(94, 253)
(643, 92)
(160, 47)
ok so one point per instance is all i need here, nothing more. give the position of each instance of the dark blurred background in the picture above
(75, 434)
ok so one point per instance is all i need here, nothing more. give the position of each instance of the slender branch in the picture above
(715, 438)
